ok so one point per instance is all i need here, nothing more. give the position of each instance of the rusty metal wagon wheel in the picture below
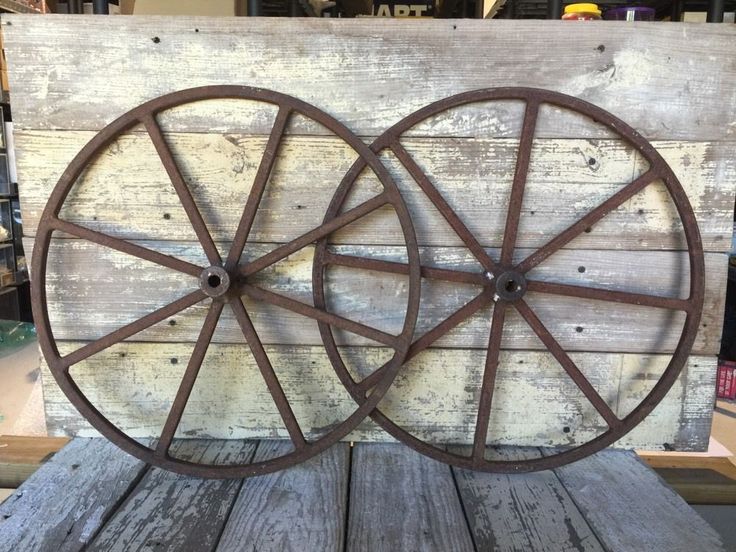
(222, 281)
(505, 283)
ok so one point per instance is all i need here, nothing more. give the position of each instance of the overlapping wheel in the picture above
(504, 283)
(223, 282)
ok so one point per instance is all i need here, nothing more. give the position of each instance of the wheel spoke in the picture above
(608, 295)
(259, 186)
(185, 196)
(315, 234)
(424, 342)
(587, 221)
(567, 364)
(517, 188)
(126, 247)
(260, 294)
(489, 381)
(187, 381)
(392, 267)
(443, 207)
(131, 329)
(268, 374)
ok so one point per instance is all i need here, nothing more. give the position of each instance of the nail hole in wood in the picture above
(579, 329)
(581, 269)
(156, 40)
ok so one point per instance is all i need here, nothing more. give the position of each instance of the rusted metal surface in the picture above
(221, 283)
(504, 284)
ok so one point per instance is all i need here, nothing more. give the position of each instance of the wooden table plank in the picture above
(531, 511)
(65, 502)
(302, 508)
(168, 511)
(401, 500)
(631, 508)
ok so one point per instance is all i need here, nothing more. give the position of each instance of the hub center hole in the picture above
(511, 286)
(213, 280)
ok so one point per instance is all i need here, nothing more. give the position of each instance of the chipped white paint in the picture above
(435, 396)
(88, 298)
(129, 200)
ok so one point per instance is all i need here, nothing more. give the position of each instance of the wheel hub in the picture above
(510, 285)
(214, 281)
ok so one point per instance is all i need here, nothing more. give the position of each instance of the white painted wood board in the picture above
(435, 396)
(669, 81)
(64, 97)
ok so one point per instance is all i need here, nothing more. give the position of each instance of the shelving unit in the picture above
(13, 269)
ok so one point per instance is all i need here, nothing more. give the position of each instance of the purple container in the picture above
(630, 13)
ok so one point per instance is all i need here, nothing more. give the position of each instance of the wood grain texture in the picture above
(434, 396)
(373, 70)
(302, 508)
(92, 291)
(662, 521)
(63, 505)
(126, 192)
(22, 456)
(400, 500)
(531, 512)
(168, 511)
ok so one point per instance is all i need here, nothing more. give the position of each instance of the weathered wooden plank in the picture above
(695, 389)
(168, 511)
(302, 508)
(385, 479)
(371, 69)
(434, 396)
(531, 512)
(92, 291)
(69, 498)
(127, 192)
(625, 503)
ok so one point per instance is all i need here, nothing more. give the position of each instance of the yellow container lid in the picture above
(584, 7)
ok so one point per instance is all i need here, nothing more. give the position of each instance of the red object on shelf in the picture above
(726, 380)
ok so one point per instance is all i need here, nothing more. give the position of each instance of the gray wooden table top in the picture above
(373, 497)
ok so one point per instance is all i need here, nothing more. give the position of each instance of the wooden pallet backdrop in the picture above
(676, 84)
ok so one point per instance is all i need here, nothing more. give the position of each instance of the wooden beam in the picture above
(20, 456)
